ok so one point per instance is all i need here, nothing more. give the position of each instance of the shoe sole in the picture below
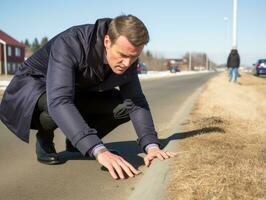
(52, 162)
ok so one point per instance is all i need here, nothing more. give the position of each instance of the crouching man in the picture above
(72, 82)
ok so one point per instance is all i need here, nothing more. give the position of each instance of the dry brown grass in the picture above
(227, 157)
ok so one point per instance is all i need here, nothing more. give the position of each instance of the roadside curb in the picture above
(154, 182)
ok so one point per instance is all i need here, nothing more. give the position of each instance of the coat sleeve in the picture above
(139, 112)
(66, 52)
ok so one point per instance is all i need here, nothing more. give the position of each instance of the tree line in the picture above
(198, 59)
(159, 63)
(153, 62)
(35, 44)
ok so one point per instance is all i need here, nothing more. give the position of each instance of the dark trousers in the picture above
(97, 108)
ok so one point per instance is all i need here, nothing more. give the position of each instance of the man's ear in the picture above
(107, 41)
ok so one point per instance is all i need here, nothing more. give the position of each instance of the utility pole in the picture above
(189, 66)
(207, 60)
(234, 41)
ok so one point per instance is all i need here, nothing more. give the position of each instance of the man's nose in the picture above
(126, 61)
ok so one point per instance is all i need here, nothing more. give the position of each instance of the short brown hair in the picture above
(131, 27)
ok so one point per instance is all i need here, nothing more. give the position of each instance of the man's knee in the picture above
(121, 112)
(46, 121)
(42, 103)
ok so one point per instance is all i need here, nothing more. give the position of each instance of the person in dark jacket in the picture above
(85, 82)
(233, 62)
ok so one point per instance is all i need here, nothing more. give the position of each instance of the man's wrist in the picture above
(99, 148)
(99, 152)
(151, 146)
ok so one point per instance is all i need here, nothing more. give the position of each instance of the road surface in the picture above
(23, 178)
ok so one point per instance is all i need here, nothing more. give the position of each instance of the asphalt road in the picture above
(23, 178)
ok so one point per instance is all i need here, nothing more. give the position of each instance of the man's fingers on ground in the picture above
(118, 169)
(112, 171)
(171, 154)
(126, 169)
(164, 155)
(160, 156)
(133, 169)
(147, 160)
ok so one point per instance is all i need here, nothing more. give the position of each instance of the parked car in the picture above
(174, 69)
(172, 65)
(142, 68)
(260, 67)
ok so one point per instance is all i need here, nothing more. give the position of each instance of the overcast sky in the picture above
(175, 26)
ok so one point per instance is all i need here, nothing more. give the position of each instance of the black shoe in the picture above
(70, 147)
(46, 152)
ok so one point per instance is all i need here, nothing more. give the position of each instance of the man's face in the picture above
(122, 54)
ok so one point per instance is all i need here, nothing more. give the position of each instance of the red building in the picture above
(12, 53)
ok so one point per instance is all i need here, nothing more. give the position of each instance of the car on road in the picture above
(172, 65)
(174, 69)
(260, 67)
(142, 68)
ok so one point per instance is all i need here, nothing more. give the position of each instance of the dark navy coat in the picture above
(72, 60)
(233, 59)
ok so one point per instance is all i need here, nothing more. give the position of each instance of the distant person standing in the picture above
(233, 62)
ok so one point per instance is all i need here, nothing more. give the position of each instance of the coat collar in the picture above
(96, 56)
